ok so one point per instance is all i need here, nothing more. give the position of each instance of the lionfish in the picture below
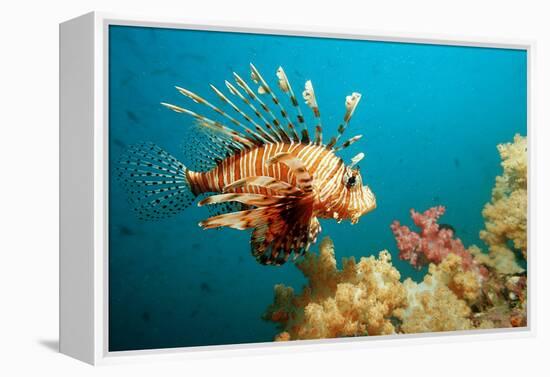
(265, 170)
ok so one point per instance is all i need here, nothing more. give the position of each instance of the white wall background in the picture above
(29, 183)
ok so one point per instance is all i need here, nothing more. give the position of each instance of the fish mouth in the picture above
(370, 202)
(370, 208)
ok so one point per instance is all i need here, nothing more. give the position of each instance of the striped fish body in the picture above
(280, 178)
(253, 162)
(332, 198)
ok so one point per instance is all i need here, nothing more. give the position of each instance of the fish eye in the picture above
(351, 181)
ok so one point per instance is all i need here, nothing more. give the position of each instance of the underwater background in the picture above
(431, 117)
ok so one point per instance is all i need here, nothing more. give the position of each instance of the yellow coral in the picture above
(506, 214)
(282, 337)
(439, 303)
(357, 300)
(500, 258)
(363, 298)
(514, 163)
(367, 297)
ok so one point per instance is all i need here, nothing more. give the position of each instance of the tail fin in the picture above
(156, 182)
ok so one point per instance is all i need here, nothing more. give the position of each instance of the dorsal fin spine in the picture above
(263, 84)
(318, 134)
(348, 142)
(284, 85)
(258, 114)
(195, 97)
(275, 129)
(215, 126)
(262, 135)
(351, 104)
(311, 100)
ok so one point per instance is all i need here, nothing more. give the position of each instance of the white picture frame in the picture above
(84, 191)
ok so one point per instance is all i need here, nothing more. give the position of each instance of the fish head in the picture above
(359, 199)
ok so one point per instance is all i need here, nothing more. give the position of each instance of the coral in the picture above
(357, 300)
(432, 244)
(503, 302)
(463, 289)
(506, 215)
(441, 301)
(282, 337)
(500, 259)
(367, 298)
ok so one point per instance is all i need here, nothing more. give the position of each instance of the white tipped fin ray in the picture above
(348, 142)
(269, 133)
(257, 129)
(356, 159)
(351, 104)
(260, 132)
(284, 85)
(257, 77)
(200, 100)
(276, 130)
(311, 100)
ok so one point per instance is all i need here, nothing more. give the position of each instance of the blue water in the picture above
(431, 117)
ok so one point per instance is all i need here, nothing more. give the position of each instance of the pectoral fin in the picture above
(283, 224)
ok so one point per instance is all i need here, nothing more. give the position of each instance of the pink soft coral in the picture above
(432, 244)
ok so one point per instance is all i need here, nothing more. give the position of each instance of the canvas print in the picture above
(279, 188)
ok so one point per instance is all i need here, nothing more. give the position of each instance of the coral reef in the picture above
(506, 215)
(504, 301)
(500, 258)
(367, 298)
(464, 289)
(441, 301)
(432, 244)
(357, 300)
